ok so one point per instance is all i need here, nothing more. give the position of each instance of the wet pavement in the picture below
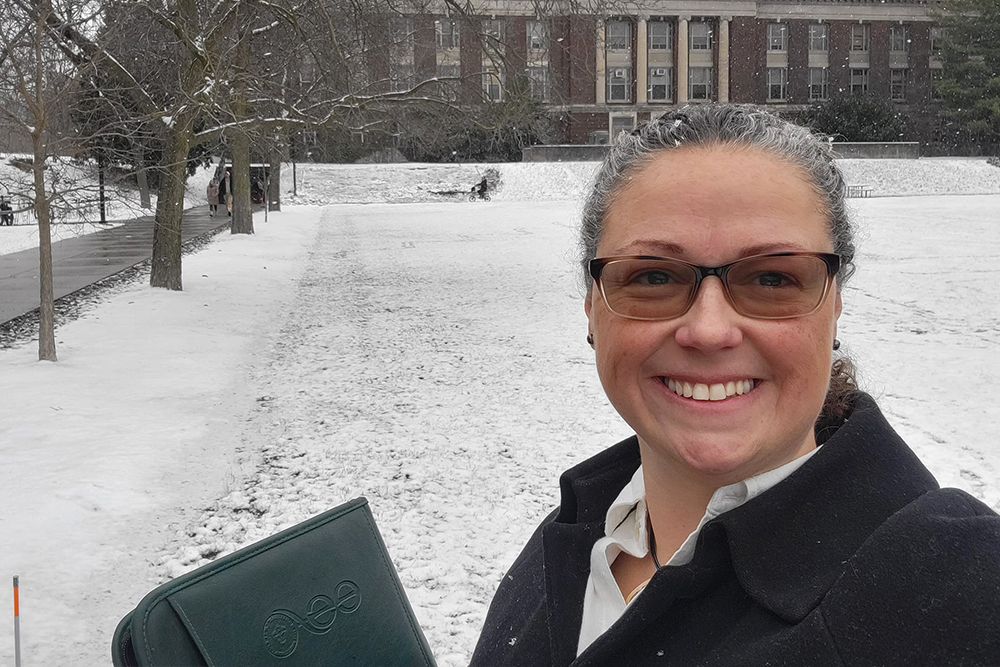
(84, 260)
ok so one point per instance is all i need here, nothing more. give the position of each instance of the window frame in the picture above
(534, 83)
(667, 84)
(668, 36)
(709, 84)
(900, 85)
(782, 84)
(777, 43)
(824, 84)
(451, 34)
(613, 82)
(863, 72)
(899, 36)
(542, 35)
(708, 36)
(865, 37)
(824, 39)
(626, 39)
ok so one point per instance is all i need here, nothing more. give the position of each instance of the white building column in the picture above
(682, 47)
(600, 69)
(724, 58)
(641, 61)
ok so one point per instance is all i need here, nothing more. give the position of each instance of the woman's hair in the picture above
(736, 126)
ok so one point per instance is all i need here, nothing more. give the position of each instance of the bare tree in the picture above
(36, 81)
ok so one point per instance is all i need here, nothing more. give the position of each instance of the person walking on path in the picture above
(227, 189)
(212, 194)
(6, 214)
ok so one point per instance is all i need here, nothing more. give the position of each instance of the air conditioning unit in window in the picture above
(618, 73)
(659, 72)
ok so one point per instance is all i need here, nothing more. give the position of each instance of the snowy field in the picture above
(429, 356)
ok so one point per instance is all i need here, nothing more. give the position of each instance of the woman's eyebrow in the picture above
(671, 249)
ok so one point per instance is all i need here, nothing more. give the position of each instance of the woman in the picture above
(765, 513)
(212, 194)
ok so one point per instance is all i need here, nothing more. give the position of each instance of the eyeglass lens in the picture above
(764, 287)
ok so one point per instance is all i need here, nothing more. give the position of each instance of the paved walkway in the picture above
(82, 261)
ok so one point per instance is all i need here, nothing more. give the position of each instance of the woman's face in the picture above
(712, 206)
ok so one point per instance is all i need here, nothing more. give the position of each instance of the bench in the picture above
(859, 191)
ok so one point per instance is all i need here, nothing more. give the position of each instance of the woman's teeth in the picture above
(709, 392)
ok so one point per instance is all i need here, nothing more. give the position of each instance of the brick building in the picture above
(601, 75)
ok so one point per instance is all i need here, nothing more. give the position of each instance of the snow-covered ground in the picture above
(429, 356)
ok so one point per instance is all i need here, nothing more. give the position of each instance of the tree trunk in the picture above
(274, 181)
(242, 222)
(239, 140)
(166, 271)
(46, 320)
(100, 187)
(140, 177)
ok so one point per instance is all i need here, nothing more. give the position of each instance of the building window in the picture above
(859, 82)
(937, 36)
(937, 75)
(897, 84)
(449, 89)
(447, 33)
(620, 84)
(621, 124)
(700, 36)
(777, 36)
(660, 84)
(819, 84)
(538, 82)
(619, 36)
(538, 39)
(401, 77)
(660, 36)
(898, 39)
(402, 32)
(493, 35)
(700, 83)
(819, 37)
(777, 83)
(493, 85)
(859, 37)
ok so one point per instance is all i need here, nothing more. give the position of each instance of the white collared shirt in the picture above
(625, 530)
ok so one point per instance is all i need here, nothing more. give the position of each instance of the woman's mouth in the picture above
(709, 392)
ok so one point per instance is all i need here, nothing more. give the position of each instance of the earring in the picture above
(590, 339)
(836, 344)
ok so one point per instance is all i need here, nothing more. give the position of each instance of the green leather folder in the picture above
(323, 592)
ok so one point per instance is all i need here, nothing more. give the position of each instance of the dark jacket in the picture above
(858, 558)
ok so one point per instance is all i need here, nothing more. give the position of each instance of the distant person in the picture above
(6, 214)
(212, 194)
(226, 190)
(482, 187)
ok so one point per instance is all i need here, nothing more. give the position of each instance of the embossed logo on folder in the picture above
(281, 629)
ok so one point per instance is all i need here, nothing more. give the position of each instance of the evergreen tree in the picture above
(970, 85)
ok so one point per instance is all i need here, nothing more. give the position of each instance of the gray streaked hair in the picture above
(707, 125)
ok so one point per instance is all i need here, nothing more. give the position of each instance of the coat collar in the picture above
(787, 546)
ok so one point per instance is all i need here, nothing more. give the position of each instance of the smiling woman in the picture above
(764, 512)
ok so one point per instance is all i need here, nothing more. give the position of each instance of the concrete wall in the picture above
(564, 153)
(865, 149)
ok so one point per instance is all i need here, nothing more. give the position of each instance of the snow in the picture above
(429, 356)
(78, 182)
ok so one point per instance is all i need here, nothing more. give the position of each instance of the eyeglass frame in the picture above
(832, 260)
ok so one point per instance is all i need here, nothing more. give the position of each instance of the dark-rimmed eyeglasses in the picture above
(768, 287)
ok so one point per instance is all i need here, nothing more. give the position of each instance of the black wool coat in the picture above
(858, 558)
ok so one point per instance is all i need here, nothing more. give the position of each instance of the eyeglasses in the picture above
(767, 287)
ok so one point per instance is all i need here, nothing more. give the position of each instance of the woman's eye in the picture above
(773, 279)
(652, 278)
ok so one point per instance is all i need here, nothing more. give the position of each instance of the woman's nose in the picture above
(711, 324)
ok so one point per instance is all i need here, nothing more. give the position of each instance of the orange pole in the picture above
(17, 627)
